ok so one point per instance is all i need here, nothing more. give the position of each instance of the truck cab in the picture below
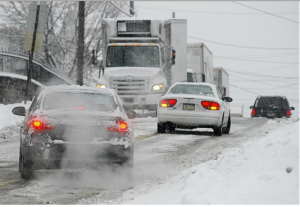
(137, 60)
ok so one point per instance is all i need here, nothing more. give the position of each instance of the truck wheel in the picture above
(25, 168)
(161, 128)
(227, 129)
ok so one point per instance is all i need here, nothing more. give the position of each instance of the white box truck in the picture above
(221, 79)
(200, 60)
(142, 58)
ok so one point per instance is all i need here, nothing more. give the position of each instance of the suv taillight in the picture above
(253, 112)
(210, 105)
(167, 103)
(288, 113)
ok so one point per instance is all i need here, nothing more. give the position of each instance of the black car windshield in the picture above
(79, 101)
(272, 102)
(192, 89)
(132, 56)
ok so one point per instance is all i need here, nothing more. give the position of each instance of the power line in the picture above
(266, 12)
(240, 46)
(262, 61)
(266, 69)
(270, 76)
(210, 12)
(255, 89)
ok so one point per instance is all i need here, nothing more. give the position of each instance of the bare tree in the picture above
(60, 42)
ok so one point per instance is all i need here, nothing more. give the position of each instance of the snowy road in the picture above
(157, 157)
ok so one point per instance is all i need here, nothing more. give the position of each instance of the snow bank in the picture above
(265, 171)
(10, 123)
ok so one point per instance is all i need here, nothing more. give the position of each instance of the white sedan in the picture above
(194, 105)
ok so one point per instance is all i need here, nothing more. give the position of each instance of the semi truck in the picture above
(142, 58)
(200, 60)
(221, 79)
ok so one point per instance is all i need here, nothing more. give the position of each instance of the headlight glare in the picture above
(158, 87)
(101, 86)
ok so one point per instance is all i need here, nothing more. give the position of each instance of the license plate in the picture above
(187, 106)
(271, 114)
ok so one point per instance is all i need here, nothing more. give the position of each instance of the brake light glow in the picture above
(167, 103)
(37, 124)
(253, 112)
(81, 108)
(288, 113)
(121, 126)
(210, 105)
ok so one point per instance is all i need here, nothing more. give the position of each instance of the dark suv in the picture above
(271, 107)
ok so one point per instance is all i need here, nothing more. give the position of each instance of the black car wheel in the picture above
(227, 129)
(25, 167)
(161, 128)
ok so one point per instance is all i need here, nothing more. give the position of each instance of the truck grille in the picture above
(133, 87)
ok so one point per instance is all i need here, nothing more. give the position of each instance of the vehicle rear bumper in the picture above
(192, 121)
(42, 154)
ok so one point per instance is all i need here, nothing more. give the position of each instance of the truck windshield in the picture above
(129, 56)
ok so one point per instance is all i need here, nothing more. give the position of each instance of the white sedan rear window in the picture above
(192, 89)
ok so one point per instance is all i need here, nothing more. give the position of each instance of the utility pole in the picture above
(131, 9)
(30, 63)
(80, 43)
(173, 15)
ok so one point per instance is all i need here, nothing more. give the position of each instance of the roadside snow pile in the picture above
(10, 123)
(264, 171)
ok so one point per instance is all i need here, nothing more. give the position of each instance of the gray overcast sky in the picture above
(253, 30)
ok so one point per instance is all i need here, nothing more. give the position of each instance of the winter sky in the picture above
(271, 71)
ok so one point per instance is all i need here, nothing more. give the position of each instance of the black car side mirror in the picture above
(20, 111)
(251, 107)
(131, 114)
(292, 108)
(227, 99)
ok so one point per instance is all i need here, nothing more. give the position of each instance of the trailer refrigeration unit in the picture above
(139, 59)
(221, 79)
(200, 60)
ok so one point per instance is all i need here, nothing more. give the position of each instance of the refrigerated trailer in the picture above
(221, 79)
(200, 60)
(142, 58)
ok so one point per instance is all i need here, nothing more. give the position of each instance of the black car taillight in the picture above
(121, 126)
(288, 113)
(39, 125)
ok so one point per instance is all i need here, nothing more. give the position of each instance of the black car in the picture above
(74, 124)
(271, 107)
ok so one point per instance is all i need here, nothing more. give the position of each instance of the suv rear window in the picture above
(88, 101)
(271, 102)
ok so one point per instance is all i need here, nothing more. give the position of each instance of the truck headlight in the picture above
(101, 86)
(158, 87)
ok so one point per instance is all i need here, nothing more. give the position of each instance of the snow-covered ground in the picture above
(264, 171)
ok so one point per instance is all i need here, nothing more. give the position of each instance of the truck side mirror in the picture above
(173, 56)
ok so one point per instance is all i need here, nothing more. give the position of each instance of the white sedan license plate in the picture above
(187, 106)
